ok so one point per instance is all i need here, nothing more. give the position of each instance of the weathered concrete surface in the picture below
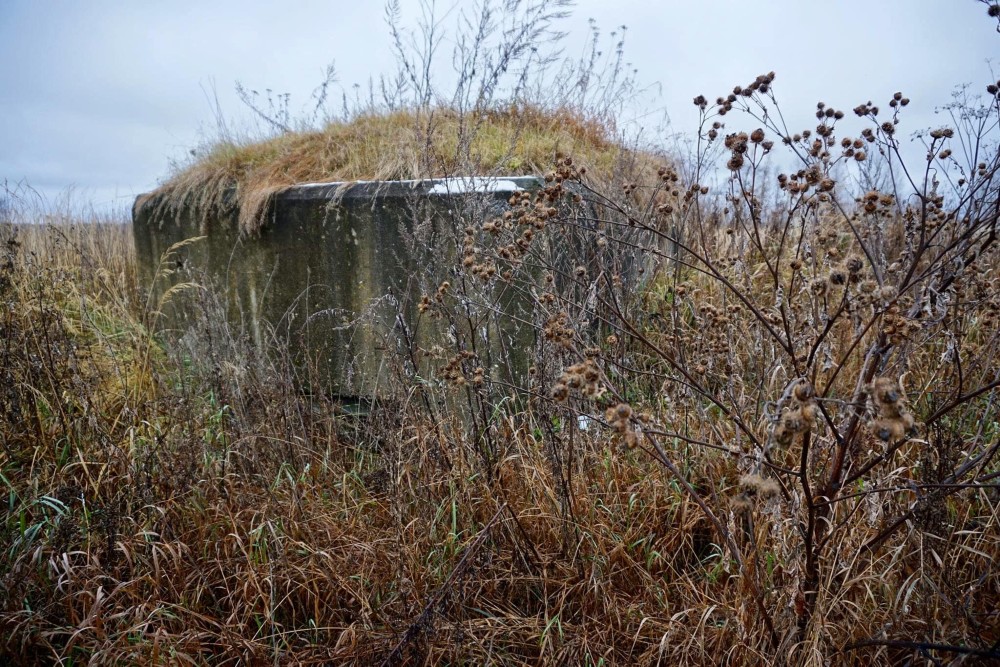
(337, 273)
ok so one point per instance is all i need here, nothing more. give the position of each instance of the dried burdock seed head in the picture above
(631, 439)
(803, 391)
(854, 265)
(623, 411)
(560, 392)
(782, 435)
(885, 390)
(755, 485)
(888, 429)
(837, 277)
(757, 136)
(741, 503)
(792, 421)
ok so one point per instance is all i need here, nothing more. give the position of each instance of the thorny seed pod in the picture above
(885, 391)
(809, 414)
(803, 391)
(755, 485)
(741, 503)
(782, 435)
(888, 429)
(793, 422)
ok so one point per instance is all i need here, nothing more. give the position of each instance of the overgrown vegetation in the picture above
(761, 424)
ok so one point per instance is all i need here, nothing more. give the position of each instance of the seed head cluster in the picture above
(583, 377)
(619, 418)
(798, 416)
(894, 419)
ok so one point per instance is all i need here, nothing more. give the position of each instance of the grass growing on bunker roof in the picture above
(401, 145)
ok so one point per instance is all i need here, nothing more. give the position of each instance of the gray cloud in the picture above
(102, 95)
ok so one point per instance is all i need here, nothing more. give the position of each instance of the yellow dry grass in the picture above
(402, 145)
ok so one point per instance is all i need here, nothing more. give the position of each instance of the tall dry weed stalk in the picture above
(814, 364)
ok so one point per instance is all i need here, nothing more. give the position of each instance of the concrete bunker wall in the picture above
(336, 274)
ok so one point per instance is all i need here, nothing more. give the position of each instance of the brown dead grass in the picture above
(156, 516)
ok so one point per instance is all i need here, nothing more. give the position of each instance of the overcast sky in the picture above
(100, 96)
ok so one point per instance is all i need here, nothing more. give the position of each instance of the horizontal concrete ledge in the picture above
(431, 187)
(419, 188)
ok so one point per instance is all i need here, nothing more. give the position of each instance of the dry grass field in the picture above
(761, 424)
